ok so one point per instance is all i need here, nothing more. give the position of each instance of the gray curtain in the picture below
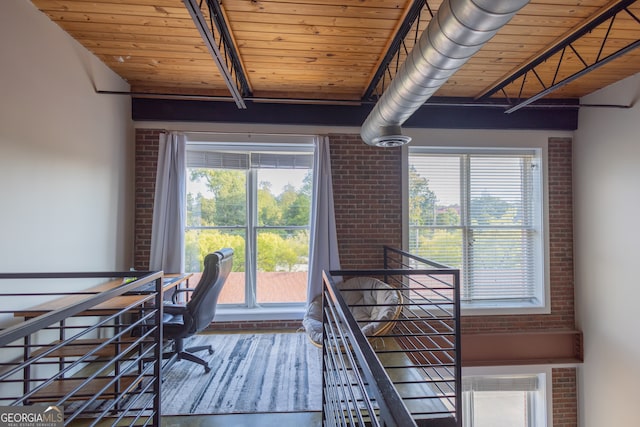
(167, 229)
(323, 250)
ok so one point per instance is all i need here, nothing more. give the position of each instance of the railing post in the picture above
(458, 379)
(157, 354)
(120, 379)
(421, 347)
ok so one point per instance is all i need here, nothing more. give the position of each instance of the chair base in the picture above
(187, 354)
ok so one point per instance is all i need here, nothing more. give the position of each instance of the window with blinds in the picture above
(504, 400)
(481, 211)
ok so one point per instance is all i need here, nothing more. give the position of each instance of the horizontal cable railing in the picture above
(87, 343)
(410, 374)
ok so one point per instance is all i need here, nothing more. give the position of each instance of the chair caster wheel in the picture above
(207, 369)
(210, 351)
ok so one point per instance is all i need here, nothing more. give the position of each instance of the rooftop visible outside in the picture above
(277, 287)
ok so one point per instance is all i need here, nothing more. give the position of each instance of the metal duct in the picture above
(456, 32)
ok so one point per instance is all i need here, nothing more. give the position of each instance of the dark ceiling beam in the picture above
(559, 48)
(448, 113)
(383, 70)
(597, 64)
(227, 60)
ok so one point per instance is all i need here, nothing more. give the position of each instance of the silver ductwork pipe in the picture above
(457, 31)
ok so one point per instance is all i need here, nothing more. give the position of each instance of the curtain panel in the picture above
(323, 248)
(167, 229)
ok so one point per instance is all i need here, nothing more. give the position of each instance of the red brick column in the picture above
(560, 180)
(367, 191)
(565, 403)
(147, 143)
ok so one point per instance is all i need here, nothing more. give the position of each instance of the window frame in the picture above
(542, 410)
(251, 309)
(480, 147)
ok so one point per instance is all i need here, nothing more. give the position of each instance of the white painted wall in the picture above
(607, 249)
(66, 153)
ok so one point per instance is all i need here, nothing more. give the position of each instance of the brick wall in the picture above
(367, 191)
(253, 325)
(145, 181)
(367, 184)
(565, 406)
(367, 188)
(561, 232)
(560, 167)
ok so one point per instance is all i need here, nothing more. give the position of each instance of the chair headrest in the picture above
(225, 253)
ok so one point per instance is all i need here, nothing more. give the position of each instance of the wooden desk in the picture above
(80, 348)
(106, 308)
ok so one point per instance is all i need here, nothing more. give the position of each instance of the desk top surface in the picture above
(108, 307)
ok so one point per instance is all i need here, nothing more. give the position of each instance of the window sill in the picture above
(231, 314)
(498, 309)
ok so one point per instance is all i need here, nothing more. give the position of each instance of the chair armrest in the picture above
(174, 297)
(174, 308)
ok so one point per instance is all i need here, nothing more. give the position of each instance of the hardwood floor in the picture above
(272, 419)
(280, 419)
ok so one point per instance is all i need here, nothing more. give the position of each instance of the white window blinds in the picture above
(480, 212)
(501, 383)
(281, 161)
(248, 159)
(217, 160)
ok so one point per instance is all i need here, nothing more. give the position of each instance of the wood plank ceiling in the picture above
(331, 49)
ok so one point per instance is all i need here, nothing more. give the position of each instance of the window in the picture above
(256, 199)
(511, 400)
(481, 211)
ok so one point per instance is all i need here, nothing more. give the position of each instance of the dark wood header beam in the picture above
(458, 114)
(522, 348)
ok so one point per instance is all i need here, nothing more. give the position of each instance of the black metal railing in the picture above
(410, 374)
(94, 352)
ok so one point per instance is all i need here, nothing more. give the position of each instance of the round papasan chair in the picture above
(373, 303)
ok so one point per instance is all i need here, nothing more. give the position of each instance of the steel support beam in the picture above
(522, 348)
(574, 76)
(413, 15)
(560, 48)
(227, 59)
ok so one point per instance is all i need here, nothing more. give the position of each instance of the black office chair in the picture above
(182, 321)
